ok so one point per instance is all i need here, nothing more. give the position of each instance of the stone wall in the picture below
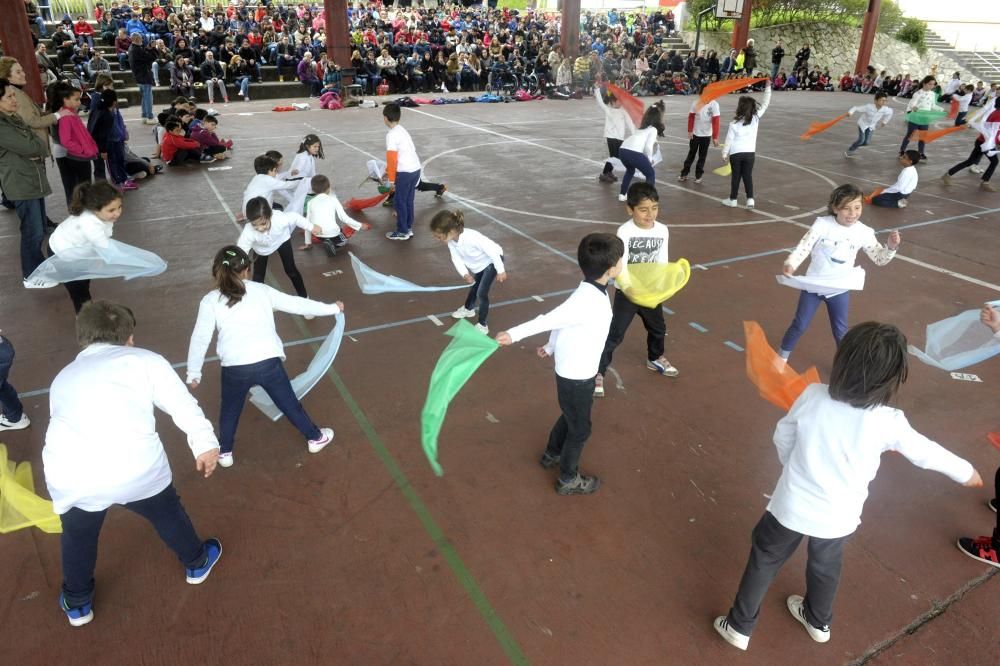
(835, 47)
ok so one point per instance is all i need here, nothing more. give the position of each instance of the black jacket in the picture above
(141, 59)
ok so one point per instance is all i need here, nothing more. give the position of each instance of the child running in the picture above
(477, 259)
(741, 145)
(268, 231)
(249, 349)
(896, 195)
(303, 169)
(830, 445)
(325, 211)
(832, 243)
(645, 241)
(402, 170)
(703, 127)
(923, 101)
(102, 448)
(871, 116)
(579, 327)
(637, 151)
(618, 126)
(985, 144)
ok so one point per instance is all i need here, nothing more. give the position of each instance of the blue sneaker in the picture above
(198, 575)
(396, 235)
(77, 616)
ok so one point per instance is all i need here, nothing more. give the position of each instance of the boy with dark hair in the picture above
(579, 327)
(102, 449)
(402, 170)
(176, 149)
(645, 242)
(266, 182)
(871, 116)
(896, 195)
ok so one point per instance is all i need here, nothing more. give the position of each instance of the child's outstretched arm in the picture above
(801, 250)
(928, 454)
(990, 317)
(883, 254)
(340, 215)
(170, 395)
(566, 314)
(302, 306)
(767, 100)
(201, 337)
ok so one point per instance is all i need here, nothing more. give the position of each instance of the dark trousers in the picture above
(479, 292)
(183, 155)
(635, 161)
(116, 162)
(73, 172)
(697, 145)
(79, 293)
(974, 157)
(82, 528)
(613, 146)
(287, 262)
(836, 307)
(773, 544)
(572, 429)
(910, 129)
(960, 118)
(888, 199)
(99, 171)
(742, 165)
(213, 150)
(622, 312)
(406, 190)
(31, 213)
(422, 186)
(864, 136)
(270, 375)
(10, 404)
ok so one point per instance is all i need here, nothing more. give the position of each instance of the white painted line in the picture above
(352, 338)
(700, 267)
(437, 322)
(537, 298)
(225, 168)
(945, 271)
(965, 377)
(332, 273)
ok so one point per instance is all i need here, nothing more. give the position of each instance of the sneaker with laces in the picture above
(77, 616)
(226, 459)
(317, 445)
(397, 236)
(483, 328)
(731, 636)
(731, 203)
(129, 185)
(213, 551)
(463, 313)
(548, 462)
(662, 366)
(20, 424)
(681, 178)
(598, 386)
(581, 485)
(981, 548)
(697, 181)
(976, 169)
(621, 197)
(38, 283)
(798, 611)
(409, 234)
(750, 203)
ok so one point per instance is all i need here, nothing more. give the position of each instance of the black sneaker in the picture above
(581, 485)
(548, 462)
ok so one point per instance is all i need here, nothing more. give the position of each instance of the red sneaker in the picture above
(981, 548)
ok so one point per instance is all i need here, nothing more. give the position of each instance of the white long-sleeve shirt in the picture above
(263, 185)
(579, 328)
(831, 451)
(246, 330)
(951, 87)
(922, 100)
(101, 446)
(833, 248)
(617, 123)
(268, 242)
(84, 230)
(642, 141)
(472, 252)
(399, 140)
(326, 212)
(905, 183)
(742, 138)
(870, 116)
(304, 165)
(963, 101)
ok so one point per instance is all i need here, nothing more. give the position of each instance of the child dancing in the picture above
(268, 231)
(871, 116)
(325, 211)
(617, 126)
(638, 150)
(703, 127)
(741, 145)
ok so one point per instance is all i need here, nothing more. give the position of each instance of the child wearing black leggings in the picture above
(268, 231)
(741, 145)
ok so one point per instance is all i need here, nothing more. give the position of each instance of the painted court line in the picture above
(437, 322)
(698, 327)
(733, 345)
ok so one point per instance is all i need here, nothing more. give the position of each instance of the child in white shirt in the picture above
(266, 182)
(268, 231)
(403, 170)
(830, 445)
(476, 258)
(964, 99)
(832, 243)
(618, 126)
(871, 116)
(741, 145)
(324, 210)
(895, 195)
(102, 448)
(703, 127)
(303, 169)
(579, 327)
(638, 150)
(249, 349)
(923, 101)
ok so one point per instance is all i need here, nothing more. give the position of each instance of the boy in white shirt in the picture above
(645, 242)
(703, 126)
(324, 210)
(872, 116)
(102, 448)
(403, 169)
(266, 182)
(579, 327)
(964, 99)
(895, 195)
(830, 445)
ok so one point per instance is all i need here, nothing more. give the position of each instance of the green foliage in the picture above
(779, 12)
(914, 33)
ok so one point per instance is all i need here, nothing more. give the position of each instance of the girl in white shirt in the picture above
(94, 209)
(741, 145)
(326, 212)
(832, 243)
(476, 258)
(637, 151)
(268, 231)
(304, 168)
(249, 349)
(617, 126)
(923, 100)
(830, 445)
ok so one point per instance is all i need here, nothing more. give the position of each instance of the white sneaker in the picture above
(975, 169)
(317, 445)
(750, 203)
(37, 283)
(226, 459)
(733, 637)
(795, 607)
(463, 313)
(902, 203)
(14, 425)
(483, 328)
(729, 202)
(621, 197)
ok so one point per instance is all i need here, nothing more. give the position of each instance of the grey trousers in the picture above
(773, 544)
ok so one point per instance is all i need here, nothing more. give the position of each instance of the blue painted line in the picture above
(698, 327)
(733, 260)
(733, 345)
(667, 310)
(914, 225)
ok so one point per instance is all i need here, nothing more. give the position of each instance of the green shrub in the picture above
(914, 33)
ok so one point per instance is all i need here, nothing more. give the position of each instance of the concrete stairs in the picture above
(984, 65)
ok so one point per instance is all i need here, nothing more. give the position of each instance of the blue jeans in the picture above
(116, 162)
(10, 404)
(31, 212)
(243, 83)
(406, 191)
(634, 161)
(81, 530)
(40, 22)
(146, 90)
(269, 375)
(864, 136)
(910, 129)
(479, 292)
(836, 307)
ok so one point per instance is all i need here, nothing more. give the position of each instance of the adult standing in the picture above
(22, 172)
(749, 58)
(141, 59)
(777, 53)
(802, 58)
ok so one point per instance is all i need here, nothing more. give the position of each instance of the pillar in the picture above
(569, 40)
(741, 26)
(338, 36)
(868, 35)
(16, 37)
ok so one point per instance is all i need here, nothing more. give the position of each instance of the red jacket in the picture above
(172, 143)
(83, 28)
